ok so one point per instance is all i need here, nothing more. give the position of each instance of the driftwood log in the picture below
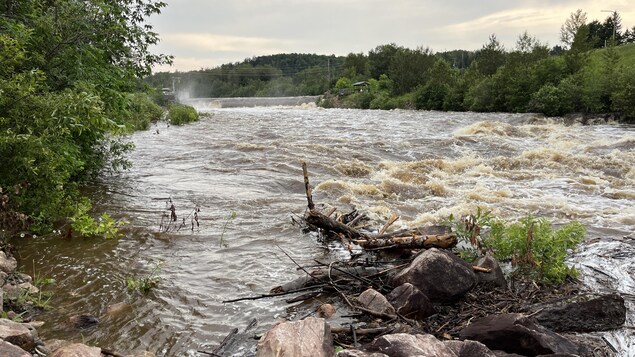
(445, 241)
(421, 238)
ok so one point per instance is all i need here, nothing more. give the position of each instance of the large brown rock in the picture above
(310, 337)
(10, 350)
(606, 312)
(410, 302)
(406, 345)
(373, 300)
(76, 350)
(17, 334)
(514, 333)
(440, 275)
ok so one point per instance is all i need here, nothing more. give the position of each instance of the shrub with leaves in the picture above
(180, 114)
(535, 249)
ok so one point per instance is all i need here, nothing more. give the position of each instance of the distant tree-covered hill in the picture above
(264, 76)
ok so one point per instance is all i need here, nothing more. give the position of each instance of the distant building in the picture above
(361, 86)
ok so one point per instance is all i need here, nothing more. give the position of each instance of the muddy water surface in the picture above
(422, 165)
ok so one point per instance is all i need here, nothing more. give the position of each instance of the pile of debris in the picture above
(409, 294)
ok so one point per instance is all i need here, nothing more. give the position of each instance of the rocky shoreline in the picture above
(409, 320)
(18, 334)
(437, 282)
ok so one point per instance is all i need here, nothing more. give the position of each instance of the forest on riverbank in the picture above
(592, 71)
(70, 83)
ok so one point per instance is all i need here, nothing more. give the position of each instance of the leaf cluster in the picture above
(534, 248)
(145, 283)
(179, 114)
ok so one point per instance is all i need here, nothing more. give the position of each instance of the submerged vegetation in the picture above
(145, 283)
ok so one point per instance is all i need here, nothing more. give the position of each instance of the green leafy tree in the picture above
(409, 69)
(490, 57)
(432, 95)
(380, 59)
(356, 67)
(577, 57)
(629, 35)
(622, 98)
(571, 26)
(312, 81)
(68, 72)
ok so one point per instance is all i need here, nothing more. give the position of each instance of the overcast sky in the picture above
(208, 33)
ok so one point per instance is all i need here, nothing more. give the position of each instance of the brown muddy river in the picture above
(422, 165)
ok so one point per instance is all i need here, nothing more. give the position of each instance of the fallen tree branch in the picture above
(328, 224)
(262, 296)
(393, 218)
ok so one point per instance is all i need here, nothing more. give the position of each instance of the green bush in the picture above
(141, 112)
(550, 100)
(535, 248)
(67, 84)
(622, 98)
(383, 101)
(180, 114)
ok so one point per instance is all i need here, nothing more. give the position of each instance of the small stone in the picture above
(326, 311)
(83, 321)
(7, 264)
(495, 276)
(10, 350)
(17, 334)
(407, 345)
(36, 324)
(373, 300)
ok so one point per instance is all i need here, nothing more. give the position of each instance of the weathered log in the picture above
(328, 224)
(307, 187)
(421, 231)
(443, 241)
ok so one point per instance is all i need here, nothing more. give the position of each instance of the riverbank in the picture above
(422, 165)
(427, 300)
(21, 302)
